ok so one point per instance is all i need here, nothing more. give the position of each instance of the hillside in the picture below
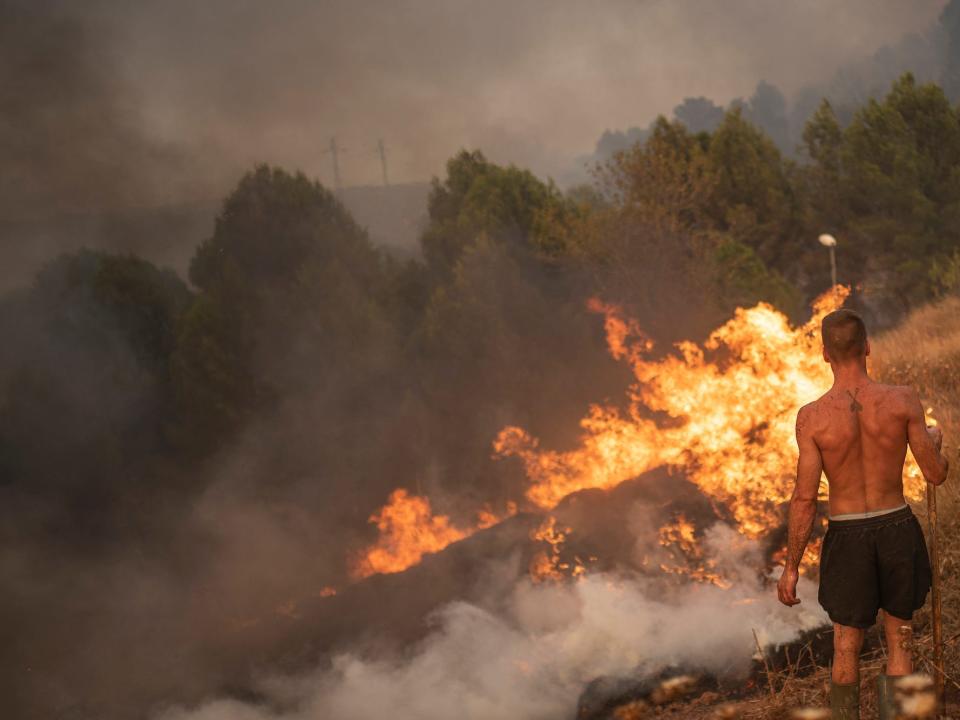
(394, 215)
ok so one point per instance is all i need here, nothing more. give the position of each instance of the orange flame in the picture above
(681, 533)
(409, 530)
(547, 564)
(722, 412)
(681, 537)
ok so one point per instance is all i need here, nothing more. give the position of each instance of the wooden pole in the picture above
(935, 609)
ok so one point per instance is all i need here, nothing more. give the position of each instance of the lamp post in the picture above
(830, 242)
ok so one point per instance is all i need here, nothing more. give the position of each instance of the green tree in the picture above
(901, 184)
(665, 182)
(479, 197)
(743, 279)
(696, 209)
(819, 183)
(85, 383)
(291, 292)
(823, 143)
(753, 200)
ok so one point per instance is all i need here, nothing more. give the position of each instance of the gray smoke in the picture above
(528, 655)
(121, 124)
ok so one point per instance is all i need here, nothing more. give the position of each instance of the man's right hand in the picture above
(787, 587)
(936, 434)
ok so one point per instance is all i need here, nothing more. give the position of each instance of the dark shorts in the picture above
(878, 562)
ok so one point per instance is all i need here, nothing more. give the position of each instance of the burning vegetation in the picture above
(721, 415)
(210, 473)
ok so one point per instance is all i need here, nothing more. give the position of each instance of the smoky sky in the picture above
(533, 82)
(129, 107)
(124, 124)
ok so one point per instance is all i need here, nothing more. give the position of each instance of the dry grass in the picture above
(929, 335)
(924, 351)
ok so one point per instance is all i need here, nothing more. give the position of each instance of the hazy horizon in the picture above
(213, 88)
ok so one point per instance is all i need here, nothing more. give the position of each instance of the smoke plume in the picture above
(530, 649)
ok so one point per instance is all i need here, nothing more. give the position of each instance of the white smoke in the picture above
(531, 659)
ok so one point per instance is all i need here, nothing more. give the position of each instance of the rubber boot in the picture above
(845, 701)
(886, 703)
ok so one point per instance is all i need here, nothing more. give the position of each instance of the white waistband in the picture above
(868, 514)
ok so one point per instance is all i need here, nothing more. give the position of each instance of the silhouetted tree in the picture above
(699, 114)
(85, 382)
(950, 25)
(767, 109)
(291, 289)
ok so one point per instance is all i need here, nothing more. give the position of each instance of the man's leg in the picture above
(899, 659)
(899, 663)
(847, 642)
(845, 688)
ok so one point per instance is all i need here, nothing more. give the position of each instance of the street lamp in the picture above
(829, 241)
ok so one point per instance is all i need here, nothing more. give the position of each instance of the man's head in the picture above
(844, 337)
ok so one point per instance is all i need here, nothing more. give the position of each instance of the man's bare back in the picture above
(861, 433)
(874, 558)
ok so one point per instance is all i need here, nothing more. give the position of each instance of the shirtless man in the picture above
(874, 557)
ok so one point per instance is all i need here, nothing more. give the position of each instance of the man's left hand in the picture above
(787, 587)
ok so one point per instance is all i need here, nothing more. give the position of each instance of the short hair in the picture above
(844, 335)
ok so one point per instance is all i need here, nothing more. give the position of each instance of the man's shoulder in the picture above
(896, 402)
(807, 416)
(903, 395)
(811, 409)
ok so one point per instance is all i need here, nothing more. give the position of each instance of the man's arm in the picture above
(925, 444)
(803, 507)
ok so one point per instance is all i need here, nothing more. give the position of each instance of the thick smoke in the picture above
(529, 651)
(132, 576)
(81, 166)
(121, 124)
(433, 77)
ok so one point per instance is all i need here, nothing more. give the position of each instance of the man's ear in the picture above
(826, 358)
(866, 344)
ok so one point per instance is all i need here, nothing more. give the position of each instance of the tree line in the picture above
(222, 439)
(343, 369)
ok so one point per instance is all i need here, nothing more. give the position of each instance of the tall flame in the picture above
(722, 412)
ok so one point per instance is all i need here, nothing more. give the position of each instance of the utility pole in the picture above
(335, 156)
(383, 161)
